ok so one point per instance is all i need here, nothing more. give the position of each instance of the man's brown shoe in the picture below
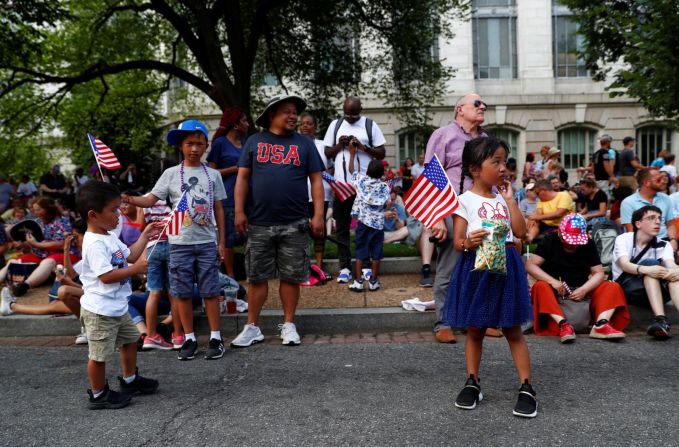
(445, 335)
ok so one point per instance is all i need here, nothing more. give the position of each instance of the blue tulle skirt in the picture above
(483, 299)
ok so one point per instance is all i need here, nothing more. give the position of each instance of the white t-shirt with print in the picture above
(103, 253)
(475, 208)
(343, 157)
(624, 246)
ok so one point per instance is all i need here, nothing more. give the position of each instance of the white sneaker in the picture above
(248, 337)
(289, 334)
(374, 285)
(344, 276)
(81, 339)
(356, 286)
(366, 274)
(6, 300)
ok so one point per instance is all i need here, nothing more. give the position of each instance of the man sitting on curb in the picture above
(644, 265)
(567, 264)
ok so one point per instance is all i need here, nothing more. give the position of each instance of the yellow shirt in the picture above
(562, 200)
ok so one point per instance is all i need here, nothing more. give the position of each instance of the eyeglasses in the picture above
(478, 103)
(652, 219)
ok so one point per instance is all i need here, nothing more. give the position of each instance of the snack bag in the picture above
(491, 254)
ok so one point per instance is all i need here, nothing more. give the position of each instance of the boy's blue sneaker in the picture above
(108, 400)
(367, 274)
(188, 350)
(140, 385)
(344, 276)
(374, 285)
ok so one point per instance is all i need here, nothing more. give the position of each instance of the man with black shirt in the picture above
(604, 164)
(272, 171)
(566, 265)
(53, 183)
(629, 163)
(366, 134)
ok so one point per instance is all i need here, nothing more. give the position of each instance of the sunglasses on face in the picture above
(478, 103)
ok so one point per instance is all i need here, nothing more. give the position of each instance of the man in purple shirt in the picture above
(447, 144)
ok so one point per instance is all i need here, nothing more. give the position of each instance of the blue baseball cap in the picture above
(186, 127)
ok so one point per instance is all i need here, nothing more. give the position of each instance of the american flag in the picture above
(118, 258)
(176, 218)
(342, 190)
(432, 197)
(103, 154)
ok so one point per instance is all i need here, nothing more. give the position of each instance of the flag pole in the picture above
(167, 224)
(96, 160)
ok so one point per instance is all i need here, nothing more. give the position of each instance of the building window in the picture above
(494, 35)
(566, 44)
(510, 136)
(577, 146)
(650, 140)
(411, 143)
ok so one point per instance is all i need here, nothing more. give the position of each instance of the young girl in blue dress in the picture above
(480, 299)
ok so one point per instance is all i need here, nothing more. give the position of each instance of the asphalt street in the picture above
(590, 393)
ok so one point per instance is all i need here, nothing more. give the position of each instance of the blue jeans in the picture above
(158, 275)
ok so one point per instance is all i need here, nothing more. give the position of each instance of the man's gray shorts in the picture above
(278, 250)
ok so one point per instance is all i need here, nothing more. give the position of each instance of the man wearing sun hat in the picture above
(272, 174)
(566, 266)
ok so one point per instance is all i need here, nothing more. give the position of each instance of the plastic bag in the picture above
(491, 254)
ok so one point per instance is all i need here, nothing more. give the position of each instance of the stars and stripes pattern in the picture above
(342, 190)
(176, 218)
(103, 154)
(432, 197)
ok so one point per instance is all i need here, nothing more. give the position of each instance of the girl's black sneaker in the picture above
(470, 395)
(108, 400)
(527, 404)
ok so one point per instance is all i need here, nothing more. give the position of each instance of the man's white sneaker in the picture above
(289, 334)
(374, 285)
(366, 274)
(81, 339)
(344, 276)
(356, 286)
(6, 300)
(248, 337)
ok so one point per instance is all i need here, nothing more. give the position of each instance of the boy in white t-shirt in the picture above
(106, 283)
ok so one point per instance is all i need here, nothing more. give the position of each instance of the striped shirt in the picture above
(158, 212)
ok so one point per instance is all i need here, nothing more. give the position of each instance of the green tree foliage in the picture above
(225, 49)
(642, 34)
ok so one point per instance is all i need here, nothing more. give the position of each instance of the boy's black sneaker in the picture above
(215, 349)
(20, 289)
(470, 395)
(660, 328)
(140, 385)
(527, 404)
(108, 400)
(188, 350)
(426, 280)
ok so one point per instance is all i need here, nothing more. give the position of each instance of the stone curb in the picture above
(312, 321)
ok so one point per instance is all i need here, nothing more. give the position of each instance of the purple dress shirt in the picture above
(447, 144)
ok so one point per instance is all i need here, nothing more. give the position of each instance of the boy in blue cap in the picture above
(195, 251)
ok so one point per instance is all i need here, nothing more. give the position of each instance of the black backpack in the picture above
(603, 235)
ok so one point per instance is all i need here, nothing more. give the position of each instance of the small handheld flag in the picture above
(432, 197)
(342, 190)
(103, 154)
(176, 218)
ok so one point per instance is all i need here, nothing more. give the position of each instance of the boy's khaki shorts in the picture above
(105, 333)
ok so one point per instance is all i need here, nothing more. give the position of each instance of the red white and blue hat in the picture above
(573, 229)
